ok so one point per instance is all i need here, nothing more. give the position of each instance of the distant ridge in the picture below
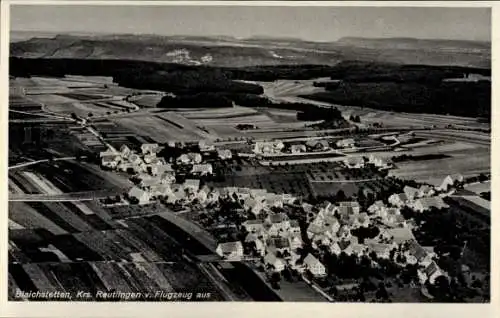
(232, 52)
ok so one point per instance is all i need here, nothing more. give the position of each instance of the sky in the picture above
(307, 23)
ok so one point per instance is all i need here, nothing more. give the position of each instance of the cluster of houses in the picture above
(156, 178)
(357, 162)
(420, 200)
(276, 238)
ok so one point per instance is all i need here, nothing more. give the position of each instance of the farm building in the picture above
(348, 207)
(425, 204)
(125, 151)
(268, 147)
(230, 250)
(382, 163)
(205, 146)
(411, 192)
(110, 161)
(318, 145)
(425, 191)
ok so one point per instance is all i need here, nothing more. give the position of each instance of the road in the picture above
(30, 163)
(66, 197)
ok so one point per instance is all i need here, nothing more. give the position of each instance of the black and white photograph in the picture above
(249, 153)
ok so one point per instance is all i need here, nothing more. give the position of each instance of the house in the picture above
(273, 262)
(348, 207)
(107, 153)
(278, 244)
(450, 181)
(382, 163)
(202, 169)
(110, 161)
(381, 250)
(278, 218)
(253, 226)
(378, 208)
(425, 191)
(398, 200)
(149, 148)
(354, 162)
(183, 159)
(149, 157)
(392, 217)
(274, 200)
(411, 192)
(294, 227)
(335, 248)
(345, 143)
(288, 198)
(205, 146)
(253, 206)
(314, 266)
(295, 240)
(314, 230)
(399, 235)
(318, 145)
(202, 194)
(213, 196)
(195, 157)
(159, 170)
(260, 248)
(140, 195)
(268, 147)
(298, 149)
(230, 250)
(192, 184)
(134, 159)
(125, 166)
(416, 254)
(176, 193)
(427, 203)
(148, 181)
(160, 190)
(431, 273)
(224, 154)
(125, 151)
(362, 219)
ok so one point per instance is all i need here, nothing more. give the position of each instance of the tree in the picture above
(90, 115)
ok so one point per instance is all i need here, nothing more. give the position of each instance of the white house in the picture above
(398, 200)
(345, 143)
(108, 153)
(192, 184)
(314, 266)
(278, 244)
(110, 161)
(275, 263)
(134, 159)
(295, 240)
(125, 151)
(354, 162)
(449, 181)
(159, 170)
(379, 162)
(149, 157)
(427, 203)
(253, 206)
(224, 154)
(142, 196)
(411, 192)
(160, 190)
(294, 227)
(230, 250)
(378, 208)
(149, 148)
(268, 147)
(205, 146)
(425, 191)
(202, 169)
(260, 247)
(381, 250)
(253, 226)
(298, 149)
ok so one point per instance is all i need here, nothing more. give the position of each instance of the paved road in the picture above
(66, 197)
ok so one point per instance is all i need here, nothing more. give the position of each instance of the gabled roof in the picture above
(311, 261)
(431, 202)
(410, 191)
(431, 269)
(192, 183)
(401, 196)
(271, 258)
(230, 247)
(294, 223)
(416, 250)
(278, 242)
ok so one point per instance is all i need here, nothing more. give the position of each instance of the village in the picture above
(259, 227)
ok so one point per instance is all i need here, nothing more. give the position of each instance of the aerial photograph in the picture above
(201, 153)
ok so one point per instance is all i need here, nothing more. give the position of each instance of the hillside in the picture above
(232, 52)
